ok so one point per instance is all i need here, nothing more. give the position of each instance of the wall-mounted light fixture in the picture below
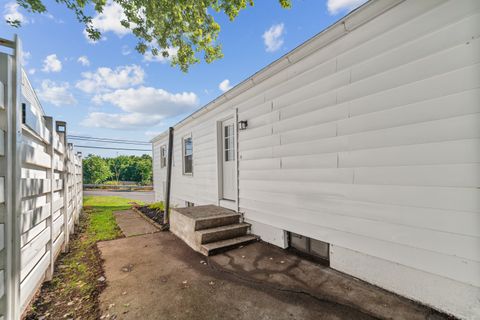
(242, 125)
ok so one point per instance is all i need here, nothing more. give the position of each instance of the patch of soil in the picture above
(77, 282)
(153, 214)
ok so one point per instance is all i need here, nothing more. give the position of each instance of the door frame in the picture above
(233, 205)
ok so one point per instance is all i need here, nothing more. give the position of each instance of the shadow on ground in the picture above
(157, 276)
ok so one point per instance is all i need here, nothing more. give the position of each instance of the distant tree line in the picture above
(97, 170)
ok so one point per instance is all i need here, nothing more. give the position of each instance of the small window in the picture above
(163, 156)
(187, 155)
(24, 113)
(312, 247)
(229, 143)
(189, 204)
(61, 126)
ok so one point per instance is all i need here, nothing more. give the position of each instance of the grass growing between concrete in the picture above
(102, 224)
(78, 278)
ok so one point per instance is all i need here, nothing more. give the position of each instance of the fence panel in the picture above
(5, 100)
(40, 188)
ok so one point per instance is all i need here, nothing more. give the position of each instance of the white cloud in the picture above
(109, 20)
(32, 71)
(52, 64)
(26, 55)
(120, 120)
(336, 6)
(273, 37)
(140, 106)
(52, 17)
(57, 94)
(150, 101)
(148, 56)
(83, 60)
(152, 134)
(11, 13)
(105, 78)
(225, 85)
(126, 50)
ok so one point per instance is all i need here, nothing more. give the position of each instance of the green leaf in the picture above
(186, 25)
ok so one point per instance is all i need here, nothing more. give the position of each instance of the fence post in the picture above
(61, 128)
(75, 195)
(50, 175)
(13, 185)
(80, 182)
(71, 199)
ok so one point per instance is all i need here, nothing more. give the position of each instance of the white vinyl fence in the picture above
(40, 187)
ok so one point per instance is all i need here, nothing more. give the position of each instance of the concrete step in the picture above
(219, 246)
(221, 233)
(219, 220)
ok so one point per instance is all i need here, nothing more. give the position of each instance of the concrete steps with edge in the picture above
(217, 221)
(209, 229)
(221, 233)
(211, 248)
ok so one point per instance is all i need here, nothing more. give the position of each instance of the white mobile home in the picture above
(366, 138)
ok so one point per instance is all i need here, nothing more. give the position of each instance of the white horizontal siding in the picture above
(371, 143)
(380, 155)
(202, 186)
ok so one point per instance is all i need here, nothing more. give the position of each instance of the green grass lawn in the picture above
(102, 225)
(77, 272)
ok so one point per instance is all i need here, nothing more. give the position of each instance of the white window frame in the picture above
(232, 147)
(163, 156)
(183, 155)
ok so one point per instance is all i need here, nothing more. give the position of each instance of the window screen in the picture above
(313, 247)
(229, 143)
(163, 156)
(187, 155)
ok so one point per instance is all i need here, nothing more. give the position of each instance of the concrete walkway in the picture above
(132, 224)
(157, 276)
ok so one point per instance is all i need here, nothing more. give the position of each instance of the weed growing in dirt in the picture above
(159, 206)
(102, 224)
(75, 287)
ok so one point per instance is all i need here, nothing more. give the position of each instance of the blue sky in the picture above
(106, 89)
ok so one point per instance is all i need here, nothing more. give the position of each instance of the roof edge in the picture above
(356, 18)
(159, 137)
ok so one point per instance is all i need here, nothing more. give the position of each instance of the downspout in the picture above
(169, 176)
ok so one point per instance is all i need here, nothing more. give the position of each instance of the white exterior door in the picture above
(228, 160)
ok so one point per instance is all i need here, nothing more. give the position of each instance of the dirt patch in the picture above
(157, 276)
(77, 281)
(183, 286)
(153, 214)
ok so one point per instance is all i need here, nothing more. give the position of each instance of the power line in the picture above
(110, 148)
(110, 141)
(80, 136)
(75, 137)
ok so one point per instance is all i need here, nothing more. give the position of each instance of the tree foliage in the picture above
(95, 169)
(98, 170)
(188, 26)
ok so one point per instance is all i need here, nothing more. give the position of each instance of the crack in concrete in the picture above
(218, 268)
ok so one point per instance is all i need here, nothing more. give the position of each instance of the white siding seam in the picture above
(302, 50)
(464, 260)
(412, 226)
(371, 141)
